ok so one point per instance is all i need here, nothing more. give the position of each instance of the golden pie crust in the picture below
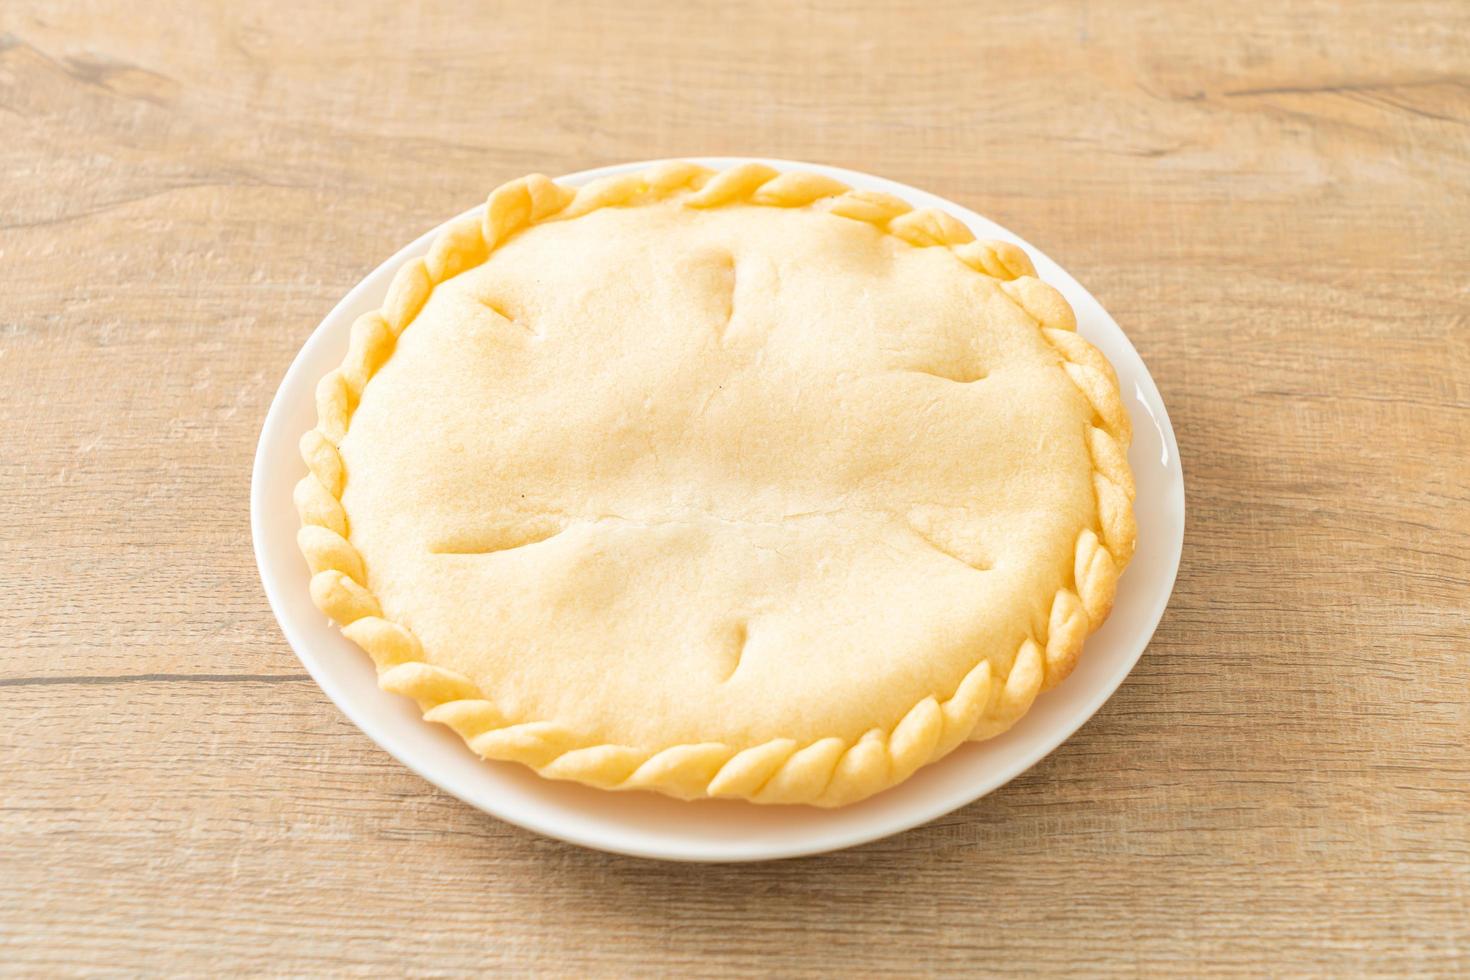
(738, 484)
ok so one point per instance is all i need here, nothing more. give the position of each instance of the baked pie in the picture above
(733, 484)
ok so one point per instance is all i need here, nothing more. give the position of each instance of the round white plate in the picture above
(648, 825)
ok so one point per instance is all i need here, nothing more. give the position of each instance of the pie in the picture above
(720, 484)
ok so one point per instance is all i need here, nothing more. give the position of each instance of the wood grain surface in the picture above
(1274, 201)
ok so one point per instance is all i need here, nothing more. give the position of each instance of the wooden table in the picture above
(1274, 201)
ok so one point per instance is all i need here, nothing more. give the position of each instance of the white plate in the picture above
(648, 825)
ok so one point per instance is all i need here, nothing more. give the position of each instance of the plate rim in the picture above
(1147, 395)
